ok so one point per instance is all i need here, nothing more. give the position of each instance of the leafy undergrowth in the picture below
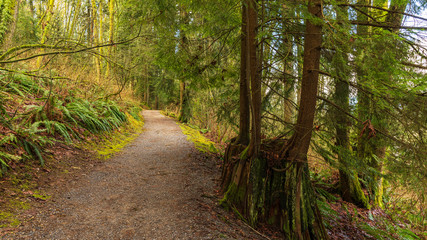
(43, 121)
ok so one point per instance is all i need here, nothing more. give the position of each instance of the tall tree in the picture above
(46, 26)
(253, 74)
(350, 186)
(184, 104)
(112, 12)
(9, 36)
(244, 126)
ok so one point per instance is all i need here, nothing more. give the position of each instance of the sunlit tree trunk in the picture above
(394, 19)
(75, 13)
(46, 28)
(147, 86)
(111, 10)
(373, 149)
(96, 59)
(11, 33)
(288, 80)
(100, 36)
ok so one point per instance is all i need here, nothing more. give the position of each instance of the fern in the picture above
(51, 115)
(33, 150)
(11, 138)
(6, 156)
(406, 234)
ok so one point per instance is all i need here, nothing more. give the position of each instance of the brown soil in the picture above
(158, 187)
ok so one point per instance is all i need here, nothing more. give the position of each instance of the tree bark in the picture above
(184, 107)
(244, 125)
(253, 72)
(96, 59)
(11, 33)
(112, 12)
(75, 17)
(351, 190)
(288, 81)
(46, 28)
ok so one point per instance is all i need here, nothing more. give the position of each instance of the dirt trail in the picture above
(159, 187)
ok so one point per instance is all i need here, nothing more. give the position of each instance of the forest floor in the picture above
(158, 187)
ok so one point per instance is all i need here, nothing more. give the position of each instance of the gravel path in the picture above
(159, 187)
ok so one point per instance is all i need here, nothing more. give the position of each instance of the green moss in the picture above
(223, 236)
(41, 196)
(21, 205)
(14, 180)
(379, 194)
(114, 142)
(244, 154)
(8, 219)
(234, 194)
(357, 194)
(200, 142)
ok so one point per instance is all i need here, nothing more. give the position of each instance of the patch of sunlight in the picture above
(200, 142)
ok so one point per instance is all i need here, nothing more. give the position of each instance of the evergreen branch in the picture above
(70, 52)
(413, 65)
(380, 131)
(385, 25)
(30, 74)
(29, 46)
(356, 6)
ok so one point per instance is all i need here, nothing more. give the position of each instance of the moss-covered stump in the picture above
(271, 190)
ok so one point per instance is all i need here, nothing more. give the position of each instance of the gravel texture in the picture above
(158, 187)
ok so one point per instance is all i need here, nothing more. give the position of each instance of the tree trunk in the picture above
(111, 36)
(372, 150)
(351, 190)
(75, 17)
(184, 105)
(147, 86)
(244, 126)
(253, 72)
(11, 33)
(157, 103)
(288, 81)
(46, 28)
(96, 59)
